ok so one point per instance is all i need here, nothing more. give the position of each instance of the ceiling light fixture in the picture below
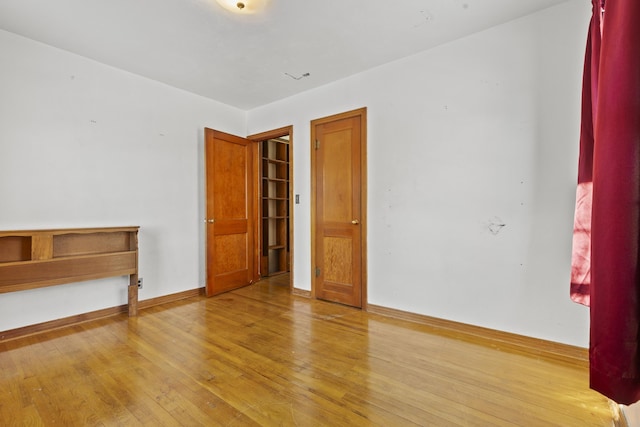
(244, 6)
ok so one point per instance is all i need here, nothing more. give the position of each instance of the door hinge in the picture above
(317, 271)
(317, 144)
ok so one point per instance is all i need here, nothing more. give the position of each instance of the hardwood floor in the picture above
(260, 356)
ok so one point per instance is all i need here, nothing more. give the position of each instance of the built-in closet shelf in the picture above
(275, 207)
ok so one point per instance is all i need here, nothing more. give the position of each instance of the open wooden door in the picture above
(231, 213)
(339, 208)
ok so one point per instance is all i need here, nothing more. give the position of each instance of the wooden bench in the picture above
(32, 259)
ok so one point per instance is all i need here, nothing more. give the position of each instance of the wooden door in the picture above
(339, 208)
(230, 170)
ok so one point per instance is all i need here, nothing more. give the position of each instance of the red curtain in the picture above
(605, 270)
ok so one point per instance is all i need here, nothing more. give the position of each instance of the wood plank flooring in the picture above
(260, 356)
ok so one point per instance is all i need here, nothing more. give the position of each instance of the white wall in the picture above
(479, 132)
(83, 145)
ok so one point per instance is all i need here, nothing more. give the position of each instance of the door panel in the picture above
(337, 254)
(337, 174)
(230, 164)
(338, 208)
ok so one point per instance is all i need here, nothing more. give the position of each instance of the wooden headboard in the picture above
(37, 258)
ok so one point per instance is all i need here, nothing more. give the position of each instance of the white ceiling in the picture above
(241, 60)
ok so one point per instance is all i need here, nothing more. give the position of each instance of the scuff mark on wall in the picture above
(495, 225)
(426, 17)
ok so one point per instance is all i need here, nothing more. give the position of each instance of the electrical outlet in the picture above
(140, 280)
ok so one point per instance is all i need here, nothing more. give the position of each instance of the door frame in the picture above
(259, 137)
(362, 114)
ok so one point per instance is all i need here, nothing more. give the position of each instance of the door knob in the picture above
(355, 222)
(210, 221)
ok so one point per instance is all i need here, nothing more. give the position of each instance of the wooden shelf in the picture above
(32, 259)
(276, 161)
(275, 206)
(275, 273)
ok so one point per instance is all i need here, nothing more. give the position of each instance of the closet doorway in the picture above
(276, 210)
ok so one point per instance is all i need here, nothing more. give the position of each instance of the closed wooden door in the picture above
(339, 207)
(230, 163)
